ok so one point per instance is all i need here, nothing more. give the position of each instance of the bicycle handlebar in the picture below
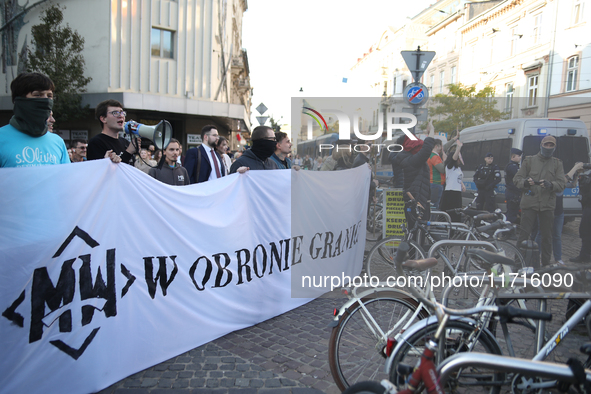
(493, 226)
(487, 216)
(509, 313)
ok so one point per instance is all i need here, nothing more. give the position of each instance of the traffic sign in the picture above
(417, 61)
(416, 93)
(262, 108)
(262, 119)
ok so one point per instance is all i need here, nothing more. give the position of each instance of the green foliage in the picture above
(275, 124)
(464, 107)
(58, 54)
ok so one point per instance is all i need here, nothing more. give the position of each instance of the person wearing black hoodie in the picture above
(259, 156)
(413, 162)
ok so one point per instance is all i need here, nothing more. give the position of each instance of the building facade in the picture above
(181, 61)
(534, 53)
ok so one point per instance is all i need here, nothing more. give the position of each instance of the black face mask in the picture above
(263, 149)
(31, 114)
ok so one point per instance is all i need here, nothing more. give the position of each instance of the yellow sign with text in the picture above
(393, 213)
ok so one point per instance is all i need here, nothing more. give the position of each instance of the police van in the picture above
(572, 145)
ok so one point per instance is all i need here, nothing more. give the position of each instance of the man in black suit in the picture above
(204, 163)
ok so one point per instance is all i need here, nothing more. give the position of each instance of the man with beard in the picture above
(25, 142)
(258, 157)
(111, 116)
(204, 163)
(170, 171)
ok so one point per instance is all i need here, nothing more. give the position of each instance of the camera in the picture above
(587, 166)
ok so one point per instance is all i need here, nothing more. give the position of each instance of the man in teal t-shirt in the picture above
(25, 141)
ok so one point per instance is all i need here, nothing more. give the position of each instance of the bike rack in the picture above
(454, 242)
(505, 364)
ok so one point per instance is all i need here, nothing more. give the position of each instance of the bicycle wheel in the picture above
(356, 346)
(374, 223)
(365, 387)
(459, 337)
(380, 261)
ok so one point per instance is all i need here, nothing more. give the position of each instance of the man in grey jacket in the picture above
(168, 170)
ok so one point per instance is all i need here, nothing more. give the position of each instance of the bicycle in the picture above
(367, 325)
(416, 335)
(379, 261)
(465, 338)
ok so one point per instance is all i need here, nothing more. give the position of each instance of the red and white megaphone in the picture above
(160, 134)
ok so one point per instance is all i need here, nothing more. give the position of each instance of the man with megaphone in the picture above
(111, 115)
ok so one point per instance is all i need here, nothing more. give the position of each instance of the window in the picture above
(162, 43)
(571, 73)
(453, 75)
(514, 42)
(441, 81)
(537, 33)
(431, 83)
(404, 82)
(568, 149)
(473, 152)
(578, 8)
(532, 91)
(508, 97)
(394, 86)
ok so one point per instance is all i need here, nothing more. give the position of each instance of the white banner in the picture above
(106, 271)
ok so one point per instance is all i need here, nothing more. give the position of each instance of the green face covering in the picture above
(31, 114)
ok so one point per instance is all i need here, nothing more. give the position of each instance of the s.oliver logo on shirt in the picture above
(34, 157)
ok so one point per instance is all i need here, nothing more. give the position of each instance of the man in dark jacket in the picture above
(413, 162)
(204, 163)
(512, 193)
(486, 177)
(258, 157)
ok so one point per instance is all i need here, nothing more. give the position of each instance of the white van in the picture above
(526, 134)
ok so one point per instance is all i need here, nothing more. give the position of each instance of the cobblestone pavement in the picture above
(288, 354)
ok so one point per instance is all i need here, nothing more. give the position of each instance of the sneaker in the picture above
(560, 262)
(581, 259)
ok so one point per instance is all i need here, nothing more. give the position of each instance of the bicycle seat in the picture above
(420, 265)
(586, 349)
(492, 258)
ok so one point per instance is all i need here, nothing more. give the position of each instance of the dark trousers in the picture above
(545, 220)
(585, 232)
(512, 208)
(486, 200)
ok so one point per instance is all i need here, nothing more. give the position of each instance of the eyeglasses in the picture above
(81, 148)
(118, 113)
(270, 139)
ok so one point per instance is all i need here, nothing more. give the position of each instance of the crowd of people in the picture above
(430, 171)
(533, 193)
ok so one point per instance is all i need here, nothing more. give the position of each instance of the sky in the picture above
(312, 45)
